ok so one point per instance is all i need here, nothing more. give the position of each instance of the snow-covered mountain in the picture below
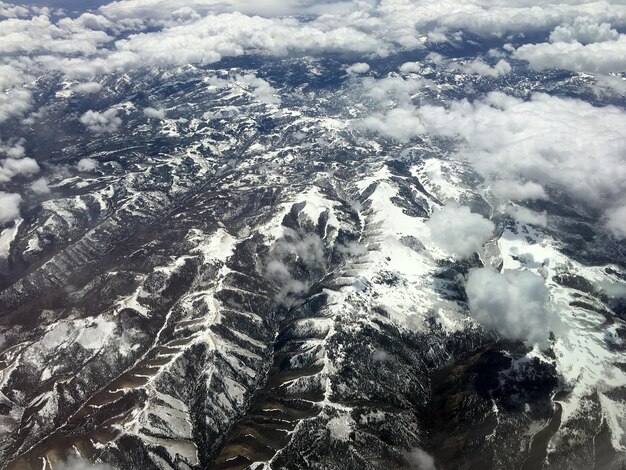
(312, 262)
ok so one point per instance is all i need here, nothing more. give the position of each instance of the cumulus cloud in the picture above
(514, 303)
(164, 9)
(400, 123)
(9, 206)
(392, 90)
(517, 191)
(12, 76)
(14, 103)
(41, 35)
(40, 186)
(15, 164)
(401, 20)
(585, 31)
(259, 88)
(12, 167)
(420, 460)
(358, 68)
(101, 122)
(526, 216)
(86, 165)
(597, 57)
(13, 148)
(480, 67)
(13, 11)
(458, 230)
(87, 88)
(410, 67)
(397, 117)
(154, 113)
(616, 221)
(611, 83)
(210, 38)
(502, 17)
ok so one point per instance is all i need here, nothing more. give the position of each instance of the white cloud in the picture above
(13, 149)
(258, 87)
(526, 216)
(14, 103)
(420, 460)
(11, 76)
(87, 164)
(209, 39)
(501, 16)
(611, 83)
(76, 463)
(400, 19)
(101, 122)
(40, 186)
(480, 67)
(514, 303)
(545, 140)
(358, 68)
(39, 35)
(497, 53)
(410, 67)
(458, 230)
(9, 206)
(11, 167)
(517, 191)
(261, 89)
(597, 57)
(87, 88)
(13, 11)
(585, 31)
(89, 21)
(616, 221)
(154, 113)
(15, 164)
(173, 32)
(399, 123)
(393, 90)
(435, 58)
(613, 289)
